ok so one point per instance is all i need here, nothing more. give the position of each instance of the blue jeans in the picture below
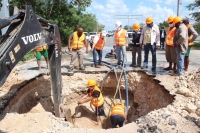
(95, 52)
(121, 51)
(117, 120)
(180, 61)
(148, 47)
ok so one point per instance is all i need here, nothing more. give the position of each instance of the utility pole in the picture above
(128, 17)
(179, 3)
(4, 13)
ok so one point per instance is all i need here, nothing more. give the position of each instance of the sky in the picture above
(159, 10)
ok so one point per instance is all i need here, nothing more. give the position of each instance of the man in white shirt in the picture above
(120, 42)
(150, 37)
(98, 44)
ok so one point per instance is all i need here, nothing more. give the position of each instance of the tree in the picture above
(126, 27)
(197, 26)
(195, 7)
(163, 24)
(67, 14)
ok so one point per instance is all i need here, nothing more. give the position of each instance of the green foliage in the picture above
(28, 56)
(197, 26)
(126, 27)
(196, 45)
(67, 14)
(195, 7)
(163, 24)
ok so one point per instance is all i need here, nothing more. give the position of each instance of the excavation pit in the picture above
(145, 95)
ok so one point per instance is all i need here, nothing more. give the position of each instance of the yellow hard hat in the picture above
(136, 26)
(91, 82)
(177, 19)
(149, 20)
(170, 19)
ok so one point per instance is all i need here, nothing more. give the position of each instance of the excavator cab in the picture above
(26, 32)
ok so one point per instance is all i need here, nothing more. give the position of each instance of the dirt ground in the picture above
(162, 104)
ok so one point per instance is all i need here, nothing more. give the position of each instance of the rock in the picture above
(185, 91)
(198, 104)
(184, 113)
(166, 114)
(198, 112)
(172, 122)
(191, 108)
(184, 83)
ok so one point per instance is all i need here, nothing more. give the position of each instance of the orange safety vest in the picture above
(190, 36)
(41, 48)
(78, 43)
(170, 36)
(118, 109)
(120, 39)
(97, 101)
(100, 43)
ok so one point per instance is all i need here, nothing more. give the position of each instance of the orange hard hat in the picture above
(149, 20)
(136, 26)
(91, 82)
(177, 19)
(170, 19)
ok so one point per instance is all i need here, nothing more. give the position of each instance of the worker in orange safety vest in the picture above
(170, 51)
(97, 48)
(192, 35)
(118, 115)
(120, 43)
(95, 96)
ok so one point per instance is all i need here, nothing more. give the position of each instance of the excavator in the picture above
(27, 31)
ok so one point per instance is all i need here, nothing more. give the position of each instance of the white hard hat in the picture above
(103, 33)
(118, 23)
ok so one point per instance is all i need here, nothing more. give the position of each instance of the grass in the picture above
(28, 56)
(196, 46)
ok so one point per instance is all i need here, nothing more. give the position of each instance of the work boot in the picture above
(97, 66)
(153, 68)
(82, 67)
(167, 68)
(101, 64)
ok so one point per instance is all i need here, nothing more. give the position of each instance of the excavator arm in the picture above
(26, 32)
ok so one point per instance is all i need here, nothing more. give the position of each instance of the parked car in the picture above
(86, 34)
(109, 33)
(92, 34)
(130, 32)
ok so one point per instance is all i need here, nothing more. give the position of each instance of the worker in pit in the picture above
(38, 52)
(95, 96)
(118, 115)
(97, 48)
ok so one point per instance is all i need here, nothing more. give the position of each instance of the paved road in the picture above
(30, 69)
(194, 55)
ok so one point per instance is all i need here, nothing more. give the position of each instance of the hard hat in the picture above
(91, 82)
(170, 19)
(103, 33)
(136, 26)
(149, 20)
(177, 19)
(118, 23)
